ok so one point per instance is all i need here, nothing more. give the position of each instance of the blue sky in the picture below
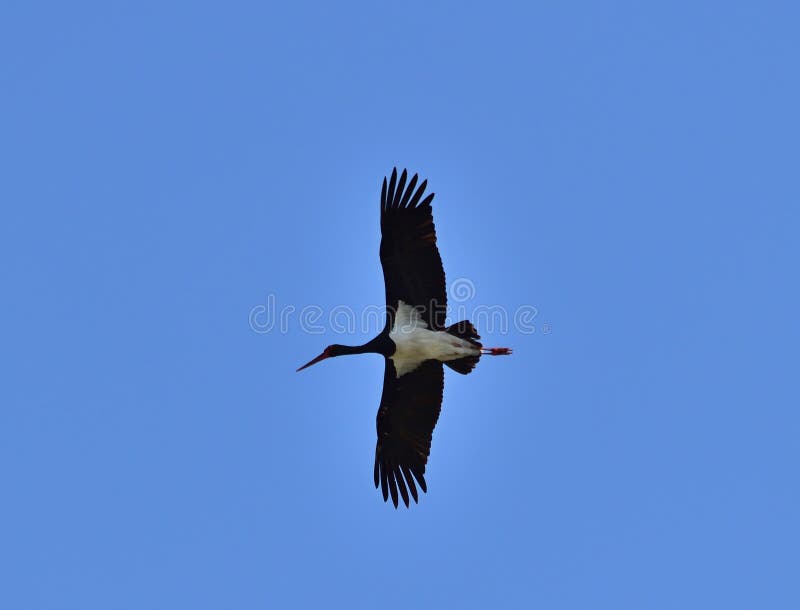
(627, 169)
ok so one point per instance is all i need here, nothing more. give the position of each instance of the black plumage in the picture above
(411, 401)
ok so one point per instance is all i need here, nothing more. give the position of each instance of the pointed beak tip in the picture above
(322, 356)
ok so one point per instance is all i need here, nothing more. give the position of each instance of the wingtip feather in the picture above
(393, 488)
(390, 192)
(420, 477)
(384, 485)
(398, 191)
(401, 484)
(410, 481)
(418, 195)
(409, 191)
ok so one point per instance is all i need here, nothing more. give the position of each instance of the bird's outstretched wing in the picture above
(412, 267)
(408, 413)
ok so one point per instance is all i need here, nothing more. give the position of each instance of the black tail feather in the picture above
(464, 330)
(463, 365)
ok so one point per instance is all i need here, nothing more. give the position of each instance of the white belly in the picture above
(415, 343)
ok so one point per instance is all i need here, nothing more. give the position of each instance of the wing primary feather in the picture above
(399, 190)
(392, 486)
(384, 484)
(376, 474)
(427, 200)
(418, 194)
(401, 484)
(383, 194)
(390, 192)
(410, 480)
(420, 477)
(409, 191)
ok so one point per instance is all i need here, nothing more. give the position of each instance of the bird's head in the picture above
(329, 352)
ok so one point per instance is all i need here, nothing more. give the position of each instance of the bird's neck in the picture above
(379, 345)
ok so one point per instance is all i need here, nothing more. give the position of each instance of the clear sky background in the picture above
(629, 169)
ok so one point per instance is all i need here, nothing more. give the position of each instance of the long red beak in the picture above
(322, 356)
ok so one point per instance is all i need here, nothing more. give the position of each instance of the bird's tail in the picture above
(464, 330)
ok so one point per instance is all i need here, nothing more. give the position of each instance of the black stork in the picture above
(415, 343)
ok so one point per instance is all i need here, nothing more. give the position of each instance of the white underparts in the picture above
(415, 343)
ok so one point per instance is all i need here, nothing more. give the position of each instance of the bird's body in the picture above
(414, 341)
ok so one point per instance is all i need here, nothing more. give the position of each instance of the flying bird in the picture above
(415, 342)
